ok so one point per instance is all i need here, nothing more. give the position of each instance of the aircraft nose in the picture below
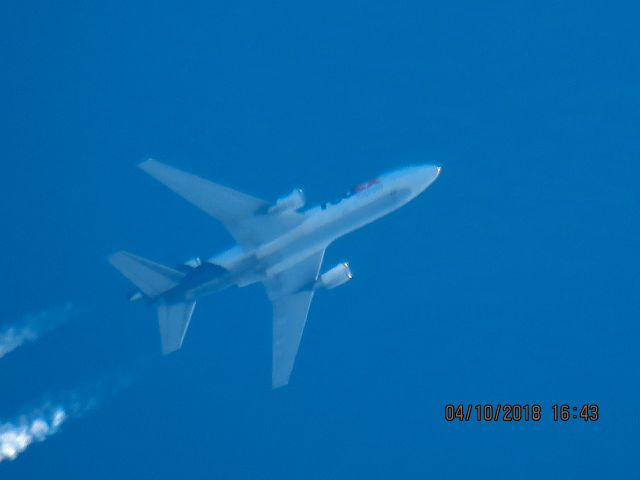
(425, 175)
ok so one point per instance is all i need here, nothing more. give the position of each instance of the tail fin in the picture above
(174, 320)
(151, 278)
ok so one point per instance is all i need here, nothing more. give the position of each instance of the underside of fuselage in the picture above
(286, 251)
(204, 279)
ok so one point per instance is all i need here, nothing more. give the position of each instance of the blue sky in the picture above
(513, 279)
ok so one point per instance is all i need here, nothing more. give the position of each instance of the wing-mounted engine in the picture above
(335, 277)
(292, 201)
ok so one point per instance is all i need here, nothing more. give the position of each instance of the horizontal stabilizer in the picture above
(150, 277)
(174, 319)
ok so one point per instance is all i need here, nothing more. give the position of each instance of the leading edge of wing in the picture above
(244, 216)
(222, 203)
(291, 300)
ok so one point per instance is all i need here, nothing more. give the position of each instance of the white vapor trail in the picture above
(36, 426)
(45, 420)
(32, 327)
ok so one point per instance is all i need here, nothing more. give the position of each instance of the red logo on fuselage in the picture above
(360, 187)
(363, 186)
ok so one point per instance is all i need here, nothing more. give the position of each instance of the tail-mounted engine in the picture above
(193, 263)
(189, 265)
(293, 201)
(335, 277)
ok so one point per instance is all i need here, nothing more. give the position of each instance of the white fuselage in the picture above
(322, 225)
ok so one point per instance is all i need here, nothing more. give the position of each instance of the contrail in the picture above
(45, 420)
(32, 327)
(36, 426)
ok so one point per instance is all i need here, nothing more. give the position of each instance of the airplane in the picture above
(277, 244)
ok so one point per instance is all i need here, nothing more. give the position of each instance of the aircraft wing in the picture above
(244, 216)
(290, 293)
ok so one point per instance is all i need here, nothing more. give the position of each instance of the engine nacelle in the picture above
(293, 201)
(335, 277)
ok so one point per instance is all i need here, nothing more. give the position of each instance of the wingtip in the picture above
(277, 383)
(146, 164)
(114, 256)
(168, 350)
